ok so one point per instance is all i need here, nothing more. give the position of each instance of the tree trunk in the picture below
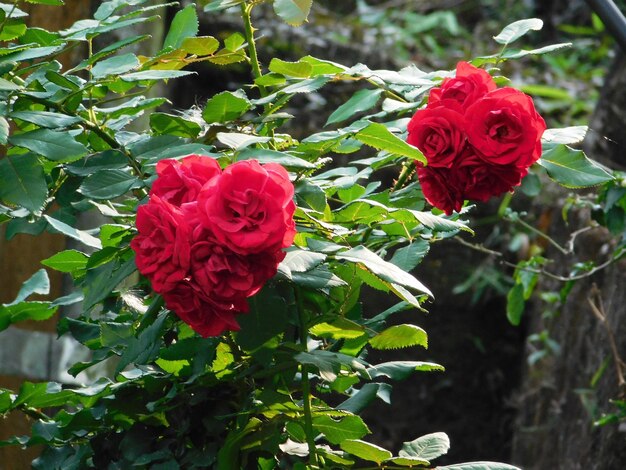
(562, 395)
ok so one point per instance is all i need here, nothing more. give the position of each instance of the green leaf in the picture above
(408, 257)
(46, 118)
(200, 46)
(319, 278)
(293, 12)
(107, 184)
(71, 232)
(378, 136)
(184, 25)
(57, 146)
(239, 141)
(518, 29)
(365, 450)
(565, 135)
(439, 223)
(359, 400)
(361, 101)
(115, 66)
(400, 370)
(22, 182)
(301, 260)
(67, 261)
(291, 69)
(515, 304)
(479, 466)
(102, 280)
(572, 169)
(162, 123)
(428, 447)
(381, 268)
(146, 347)
(38, 283)
(272, 156)
(22, 311)
(267, 318)
(6, 85)
(400, 336)
(226, 106)
(12, 29)
(341, 328)
(154, 75)
(329, 363)
(519, 53)
(340, 429)
(218, 5)
(4, 130)
(107, 160)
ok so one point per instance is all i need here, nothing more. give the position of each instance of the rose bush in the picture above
(485, 138)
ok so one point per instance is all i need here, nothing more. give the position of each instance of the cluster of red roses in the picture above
(209, 239)
(479, 141)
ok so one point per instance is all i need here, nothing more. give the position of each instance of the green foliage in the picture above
(286, 390)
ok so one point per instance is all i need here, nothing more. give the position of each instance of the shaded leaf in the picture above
(57, 146)
(337, 430)
(22, 182)
(184, 25)
(572, 169)
(361, 101)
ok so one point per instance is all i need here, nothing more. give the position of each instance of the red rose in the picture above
(482, 180)
(179, 182)
(205, 315)
(469, 85)
(250, 207)
(505, 128)
(439, 133)
(226, 275)
(441, 188)
(162, 246)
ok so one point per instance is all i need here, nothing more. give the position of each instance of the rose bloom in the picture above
(439, 133)
(250, 207)
(482, 180)
(179, 182)
(162, 251)
(505, 128)
(223, 274)
(204, 314)
(468, 86)
(441, 188)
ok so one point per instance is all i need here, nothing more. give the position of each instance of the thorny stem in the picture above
(306, 386)
(597, 308)
(246, 11)
(407, 170)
